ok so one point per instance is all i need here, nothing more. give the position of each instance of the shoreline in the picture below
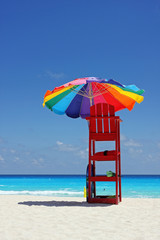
(46, 217)
(71, 197)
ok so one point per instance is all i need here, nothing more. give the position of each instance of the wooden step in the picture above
(104, 199)
(101, 157)
(103, 179)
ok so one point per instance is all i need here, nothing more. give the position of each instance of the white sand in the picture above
(47, 218)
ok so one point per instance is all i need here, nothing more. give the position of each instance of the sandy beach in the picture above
(46, 218)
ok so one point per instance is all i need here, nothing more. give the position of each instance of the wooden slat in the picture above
(99, 121)
(105, 120)
(93, 120)
(112, 121)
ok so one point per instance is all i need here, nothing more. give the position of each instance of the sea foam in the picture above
(43, 193)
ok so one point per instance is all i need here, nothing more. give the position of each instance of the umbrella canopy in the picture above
(75, 98)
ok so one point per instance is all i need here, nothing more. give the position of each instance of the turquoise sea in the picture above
(133, 186)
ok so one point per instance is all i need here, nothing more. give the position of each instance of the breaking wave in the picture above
(60, 193)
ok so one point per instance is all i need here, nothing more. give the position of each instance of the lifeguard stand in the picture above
(103, 126)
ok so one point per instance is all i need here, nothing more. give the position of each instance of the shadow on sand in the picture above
(63, 204)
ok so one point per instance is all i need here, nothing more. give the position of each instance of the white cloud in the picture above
(150, 158)
(123, 137)
(41, 160)
(131, 147)
(12, 151)
(76, 150)
(55, 76)
(83, 153)
(131, 143)
(135, 151)
(66, 147)
(16, 159)
(38, 161)
(35, 161)
(1, 158)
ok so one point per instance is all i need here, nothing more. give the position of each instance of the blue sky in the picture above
(47, 43)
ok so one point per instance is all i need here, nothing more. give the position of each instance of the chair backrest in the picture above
(102, 118)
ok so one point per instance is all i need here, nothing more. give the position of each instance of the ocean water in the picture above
(133, 186)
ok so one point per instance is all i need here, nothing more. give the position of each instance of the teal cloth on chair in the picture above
(110, 174)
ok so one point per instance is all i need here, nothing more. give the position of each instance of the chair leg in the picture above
(120, 192)
(119, 160)
(117, 168)
(117, 180)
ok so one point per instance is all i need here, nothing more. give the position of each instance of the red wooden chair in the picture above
(104, 126)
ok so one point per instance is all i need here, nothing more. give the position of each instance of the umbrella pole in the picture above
(90, 101)
(90, 94)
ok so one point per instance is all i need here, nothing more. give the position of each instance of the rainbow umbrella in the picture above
(75, 98)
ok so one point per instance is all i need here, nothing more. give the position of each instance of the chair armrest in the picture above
(113, 117)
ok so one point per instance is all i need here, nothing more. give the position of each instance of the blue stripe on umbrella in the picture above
(63, 104)
(133, 87)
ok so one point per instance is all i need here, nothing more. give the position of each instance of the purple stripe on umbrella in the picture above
(85, 107)
(94, 79)
(111, 81)
(74, 108)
